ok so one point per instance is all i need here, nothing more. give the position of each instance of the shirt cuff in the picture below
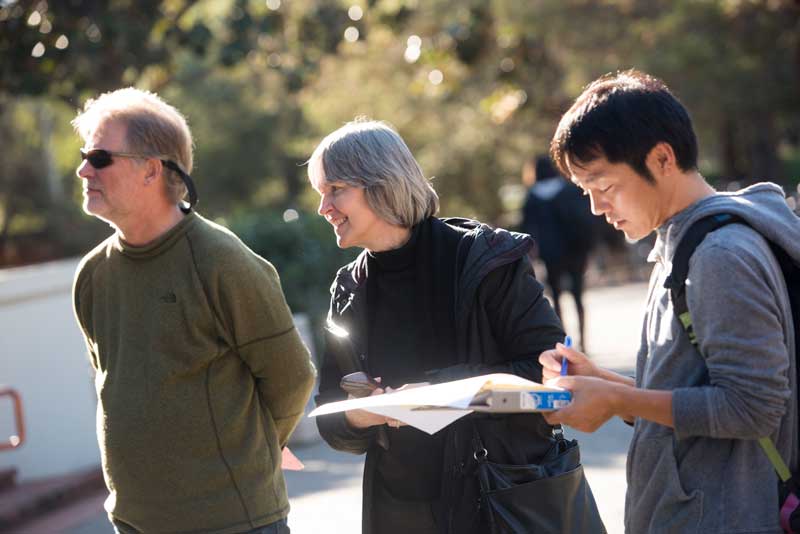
(691, 414)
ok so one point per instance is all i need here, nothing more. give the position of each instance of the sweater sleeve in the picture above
(737, 319)
(522, 321)
(81, 301)
(259, 322)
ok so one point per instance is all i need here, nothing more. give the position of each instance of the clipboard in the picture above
(431, 408)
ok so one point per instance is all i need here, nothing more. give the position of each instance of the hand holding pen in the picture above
(563, 360)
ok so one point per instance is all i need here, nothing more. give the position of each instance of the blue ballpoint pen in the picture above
(564, 361)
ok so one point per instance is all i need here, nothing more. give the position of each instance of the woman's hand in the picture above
(365, 419)
(579, 363)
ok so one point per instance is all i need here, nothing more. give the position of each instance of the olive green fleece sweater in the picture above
(200, 377)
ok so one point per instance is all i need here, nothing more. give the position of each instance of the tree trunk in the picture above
(731, 168)
(292, 174)
(763, 150)
(5, 225)
(55, 188)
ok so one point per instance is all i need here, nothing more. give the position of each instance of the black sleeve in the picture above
(334, 428)
(521, 319)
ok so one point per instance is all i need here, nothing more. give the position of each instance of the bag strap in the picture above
(481, 457)
(479, 452)
(676, 283)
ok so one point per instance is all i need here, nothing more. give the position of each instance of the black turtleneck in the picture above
(406, 338)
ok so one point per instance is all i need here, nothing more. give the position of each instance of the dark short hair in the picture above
(622, 117)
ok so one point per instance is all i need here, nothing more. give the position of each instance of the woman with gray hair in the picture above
(427, 300)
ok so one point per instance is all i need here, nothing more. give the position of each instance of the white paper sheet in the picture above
(454, 397)
(430, 421)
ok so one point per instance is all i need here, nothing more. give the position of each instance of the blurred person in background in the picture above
(200, 373)
(428, 300)
(558, 217)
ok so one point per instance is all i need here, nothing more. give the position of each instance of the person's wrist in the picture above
(351, 421)
(600, 372)
(619, 399)
(607, 374)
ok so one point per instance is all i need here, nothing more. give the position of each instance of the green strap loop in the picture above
(775, 459)
(686, 320)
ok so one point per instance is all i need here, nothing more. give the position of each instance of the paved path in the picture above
(326, 497)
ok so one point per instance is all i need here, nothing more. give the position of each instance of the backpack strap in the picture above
(676, 283)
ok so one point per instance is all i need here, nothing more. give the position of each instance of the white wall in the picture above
(43, 357)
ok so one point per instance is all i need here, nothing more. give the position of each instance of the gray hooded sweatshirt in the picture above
(709, 473)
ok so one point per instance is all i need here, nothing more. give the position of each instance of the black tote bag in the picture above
(552, 496)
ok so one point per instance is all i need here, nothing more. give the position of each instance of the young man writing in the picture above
(694, 464)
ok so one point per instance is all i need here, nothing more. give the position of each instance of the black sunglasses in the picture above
(99, 159)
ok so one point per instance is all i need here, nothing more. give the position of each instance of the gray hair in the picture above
(372, 155)
(153, 129)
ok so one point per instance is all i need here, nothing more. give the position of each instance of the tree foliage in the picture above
(67, 48)
(475, 87)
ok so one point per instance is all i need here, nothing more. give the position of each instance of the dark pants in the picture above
(278, 527)
(575, 271)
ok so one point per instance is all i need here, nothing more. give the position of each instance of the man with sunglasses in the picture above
(201, 375)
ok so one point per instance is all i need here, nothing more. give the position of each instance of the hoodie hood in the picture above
(762, 205)
(548, 189)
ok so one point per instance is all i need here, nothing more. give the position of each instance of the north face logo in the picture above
(168, 298)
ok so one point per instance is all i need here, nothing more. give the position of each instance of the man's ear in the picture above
(153, 171)
(661, 160)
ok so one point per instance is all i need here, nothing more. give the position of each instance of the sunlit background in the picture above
(476, 88)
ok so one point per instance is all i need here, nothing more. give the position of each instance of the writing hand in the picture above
(579, 363)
